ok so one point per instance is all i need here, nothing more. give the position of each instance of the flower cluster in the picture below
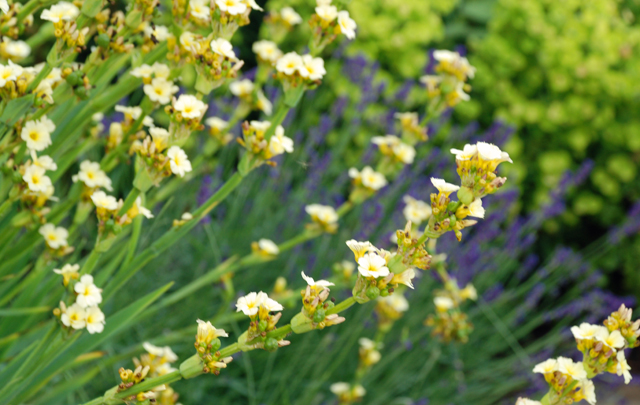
(374, 277)
(602, 350)
(449, 322)
(348, 394)
(327, 23)
(259, 307)
(84, 312)
(449, 87)
(314, 307)
(207, 345)
(262, 149)
(323, 216)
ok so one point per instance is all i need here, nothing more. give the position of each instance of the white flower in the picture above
(232, 7)
(179, 161)
(359, 248)
(142, 210)
(189, 106)
(416, 211)
(312, 68)
(143, 70)
(223, 47)
(241, 88)
(385, 141)
(36, 134)
(260, 126)
(454, 59)
(189, 41)
(74, 316)
(17, 49)
(95, 320)
(279, 143)
(44, 161)
(88, 294)
(323, 214)
(207, 332)
(62, 11)
(9, 72)
(263, 103)
(527, 401)
(268, 303)
(102, 200)
(254, 5)
(469, 292)
(268, 246)
(290, 16)
(405, 278)
(475, 208)
(216, 123)
(443, 186)
(160, 137)
(92, 176)
(588, 391)
(267, 51)
(340, 388)
(396, 301)
(613, 340)
(200, 9)
(443, 303)
(289, 63)
(546, 367)
(571, 368)
(153, 349)
(489, 152)
(369, 178)
(36, 179)
(467, 153)
(327, 12)
(320, 283)
(249, 304)
(404, 152)
(4, 6)
(622, 368)
(160, 32)
(160, 90)
(373, 265)
(587, 331)
(54, 236)
(346, 24)
(68, 272)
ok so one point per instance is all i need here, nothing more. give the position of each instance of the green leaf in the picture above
(16, 109)
(23, 311)
(115, 324)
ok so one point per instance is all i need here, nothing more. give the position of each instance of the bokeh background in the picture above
(557, 86)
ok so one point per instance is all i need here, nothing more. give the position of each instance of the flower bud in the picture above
(373, 292)
(270, 345)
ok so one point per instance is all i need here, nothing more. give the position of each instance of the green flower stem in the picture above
(277, 119)
(304, 236)
(128, 203)
(91, 262)
(344, 208)
(545, 399)
(342, 306)
(280, 332)
(229, 350)
(426, 235)
(174, 376)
